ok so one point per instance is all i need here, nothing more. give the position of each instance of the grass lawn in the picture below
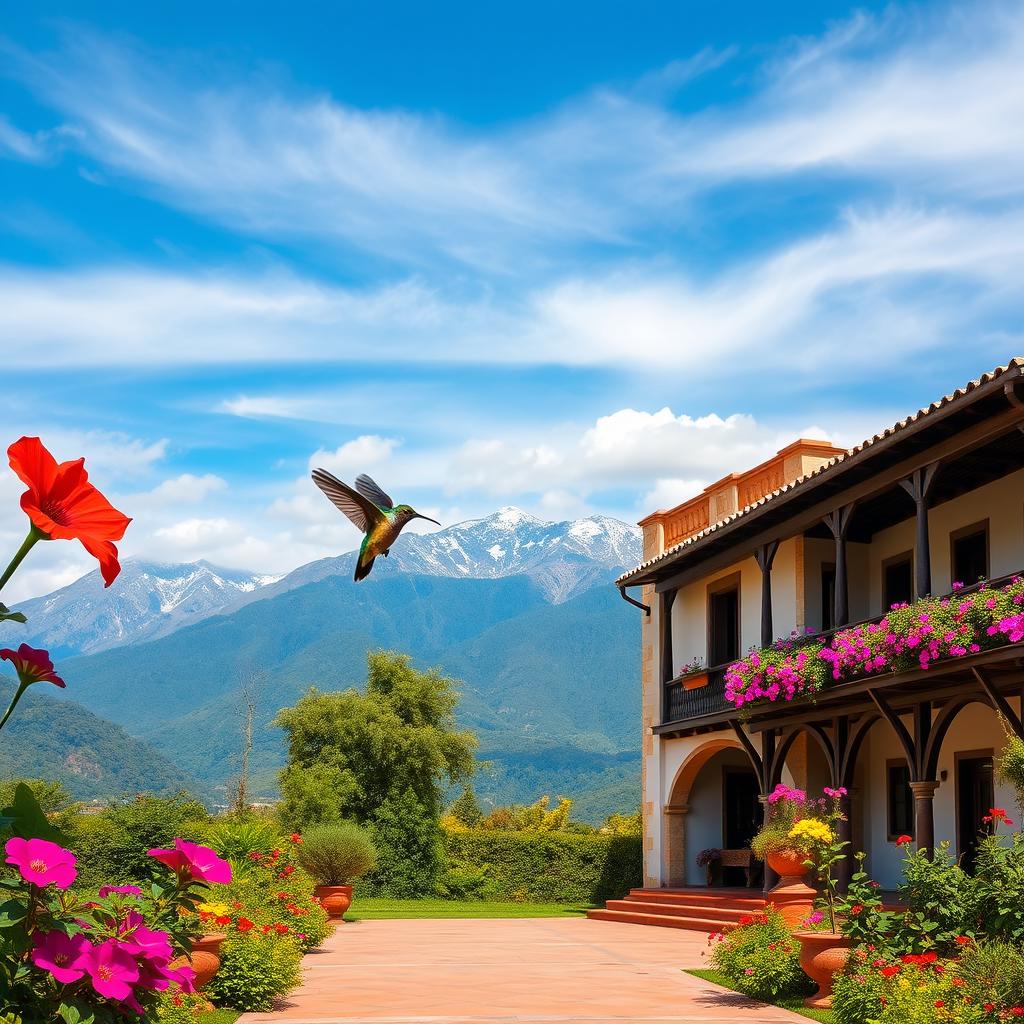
(220, 1017)
(367, 909)
(796, 1005)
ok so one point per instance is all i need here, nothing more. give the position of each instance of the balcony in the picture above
(681, 705)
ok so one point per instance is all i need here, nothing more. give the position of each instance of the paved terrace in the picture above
(543, 970)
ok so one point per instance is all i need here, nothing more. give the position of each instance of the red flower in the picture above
(856, 908)
(903, 840)
(32, 666)
(244, 924)
(996, 815)
(295, 837)
(939, 1004)
(888, 972)
(63, 505)
(224, 919)
(964, 940)
(281, 929)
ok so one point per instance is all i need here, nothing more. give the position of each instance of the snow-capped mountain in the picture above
(563, 559)
(148, 600)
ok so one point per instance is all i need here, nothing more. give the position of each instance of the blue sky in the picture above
(575, 257)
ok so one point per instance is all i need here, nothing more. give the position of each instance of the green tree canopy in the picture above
(349, 752)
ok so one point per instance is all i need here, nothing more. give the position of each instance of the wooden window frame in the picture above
(967, 531)
(896, 762)
(966, 755)
(897, 559)
(720, 586)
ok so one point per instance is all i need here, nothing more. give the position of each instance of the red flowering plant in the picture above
(71, 956)
(61, 504)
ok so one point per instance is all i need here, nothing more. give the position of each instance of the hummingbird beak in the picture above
(428, 519)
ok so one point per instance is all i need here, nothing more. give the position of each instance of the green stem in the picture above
(34, 534)
(10, 708)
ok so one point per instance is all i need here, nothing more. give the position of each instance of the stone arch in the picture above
(940, 729)
(677, 805)
(821, 739)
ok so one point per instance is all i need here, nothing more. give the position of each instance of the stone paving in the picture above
(534, 971)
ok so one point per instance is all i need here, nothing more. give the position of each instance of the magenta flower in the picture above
(42, 862)
(200, 863)
(32, 665)
(145, 942)
(64, 956)
(125, 890)
(112, 969)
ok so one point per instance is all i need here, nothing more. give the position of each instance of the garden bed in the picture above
(796, 1005)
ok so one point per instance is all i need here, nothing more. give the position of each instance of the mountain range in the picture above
(521, 611)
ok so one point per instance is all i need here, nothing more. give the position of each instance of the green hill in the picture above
(93, 758)
(551, 690)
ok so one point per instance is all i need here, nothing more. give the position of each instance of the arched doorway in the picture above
(714, 803)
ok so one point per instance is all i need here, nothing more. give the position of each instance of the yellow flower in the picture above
(219, 909)
(813, 830)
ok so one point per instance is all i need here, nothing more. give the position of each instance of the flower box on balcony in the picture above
(694, 680)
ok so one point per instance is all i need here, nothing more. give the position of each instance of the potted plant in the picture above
(785, 855)
(693, 674)
(335, 855)
(707, 859)
(824, 949)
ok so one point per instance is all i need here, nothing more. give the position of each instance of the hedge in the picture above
(550, 867)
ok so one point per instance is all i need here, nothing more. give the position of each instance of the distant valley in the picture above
(523, 612)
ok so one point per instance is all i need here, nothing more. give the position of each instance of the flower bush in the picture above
(74, 956)
(255, 969)
(759, 957)
(908, 636)
(796, 822)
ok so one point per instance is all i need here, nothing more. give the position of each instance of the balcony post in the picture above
(765, 556)
(665, 658)
(924, 813)
(838, 523)
(917, 485)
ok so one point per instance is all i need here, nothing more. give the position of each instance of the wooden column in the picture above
(668, 670)
(765, 555)
(839, 522)
(924, 813)
(917, 485)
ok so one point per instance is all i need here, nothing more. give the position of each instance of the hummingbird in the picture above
(371, 510)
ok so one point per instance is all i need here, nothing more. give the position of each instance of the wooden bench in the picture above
(733, 859)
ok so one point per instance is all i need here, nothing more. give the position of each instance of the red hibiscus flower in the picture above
(63, 505)
(904, 840)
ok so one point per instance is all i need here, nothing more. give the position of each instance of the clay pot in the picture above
(822, 955)
(205, 957)
(335, 899)
(792, 897)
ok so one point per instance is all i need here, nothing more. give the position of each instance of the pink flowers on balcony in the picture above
(907, 637)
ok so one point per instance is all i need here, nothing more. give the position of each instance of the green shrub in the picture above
(466, 882)
(998, 887)
(856, 994)
(943, 902)
(550, 867)
(254, 971)
(178, 1008)
(237, 838)
(993, 972)
(336, 853)
(761, 958)
(407, 839)
(1010, 764)
(111, 846)
(925, 996)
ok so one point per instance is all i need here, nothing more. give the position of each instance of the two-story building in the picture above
(815, 539)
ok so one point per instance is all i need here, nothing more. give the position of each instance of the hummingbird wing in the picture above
(364, 514)
(369, 488)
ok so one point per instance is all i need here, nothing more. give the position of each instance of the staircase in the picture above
(705, 910)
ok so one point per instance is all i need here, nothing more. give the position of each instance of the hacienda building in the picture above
(815, 539)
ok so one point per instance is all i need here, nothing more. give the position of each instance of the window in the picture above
(897, 580)
(724, 621)
(969, 553)
(900, 800)
(828, 596)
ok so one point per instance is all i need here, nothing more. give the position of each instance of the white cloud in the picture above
(356, 456)
(187, 488)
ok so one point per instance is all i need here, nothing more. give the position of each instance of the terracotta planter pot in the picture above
(335, 899)
(205, 957)
(822, 955)
(694, 681)
(792, 897)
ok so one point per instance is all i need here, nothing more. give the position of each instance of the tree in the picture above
(466, 809)
(252, 688)
(349, 752)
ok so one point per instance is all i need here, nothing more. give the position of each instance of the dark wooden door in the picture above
(741, 811)
(975, 794)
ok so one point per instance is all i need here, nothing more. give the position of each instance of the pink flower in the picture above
(42, 862)
(196, 862)
(144, 942)
(64, 956)
(113, 970)
(126, 890)
(32, 666)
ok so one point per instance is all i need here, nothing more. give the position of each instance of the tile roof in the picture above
(1014, 364)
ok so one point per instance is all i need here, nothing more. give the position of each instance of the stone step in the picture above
(634, 905)
(696, 899)
(657, 920)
